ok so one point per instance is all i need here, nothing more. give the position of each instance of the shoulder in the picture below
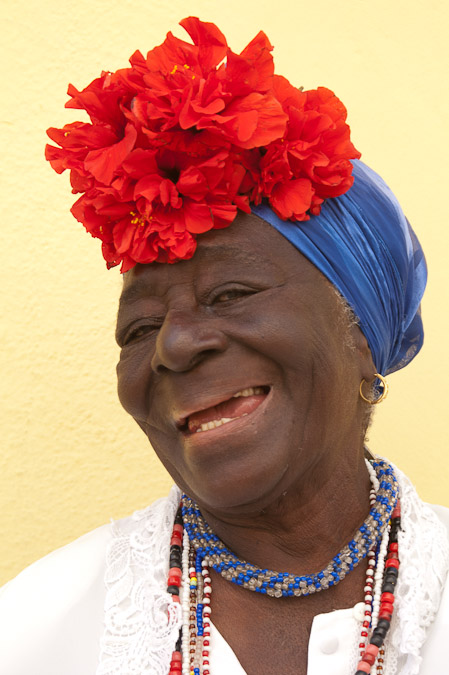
(52, 613)
(442, 513)
(423, 586)
(435, 649)
(76, 562)
(51, 605)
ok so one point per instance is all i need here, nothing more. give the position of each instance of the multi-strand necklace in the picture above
(195, 548)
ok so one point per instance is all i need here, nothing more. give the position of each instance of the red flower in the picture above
(183, 138)
(316, 147)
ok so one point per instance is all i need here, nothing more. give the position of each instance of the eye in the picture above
(135, 333)
(229, 294)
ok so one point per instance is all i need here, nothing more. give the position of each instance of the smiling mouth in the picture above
(242, 403)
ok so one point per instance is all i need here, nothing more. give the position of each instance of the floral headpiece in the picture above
(181, 140)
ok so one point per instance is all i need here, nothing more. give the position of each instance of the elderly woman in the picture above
(252, 365)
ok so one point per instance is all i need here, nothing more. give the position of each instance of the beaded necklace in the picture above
(194, 548)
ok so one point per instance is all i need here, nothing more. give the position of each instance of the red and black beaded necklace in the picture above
(189, 572)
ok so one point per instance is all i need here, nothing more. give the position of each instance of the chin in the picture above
(239, 480)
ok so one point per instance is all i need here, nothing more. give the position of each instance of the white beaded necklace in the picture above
(191, 656)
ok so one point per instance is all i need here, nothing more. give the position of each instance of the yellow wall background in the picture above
(71, 458)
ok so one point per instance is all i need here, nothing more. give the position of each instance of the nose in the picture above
(184, 340)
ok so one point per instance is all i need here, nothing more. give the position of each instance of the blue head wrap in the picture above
(364, 245)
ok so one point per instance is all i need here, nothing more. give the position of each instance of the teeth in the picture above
(214, 424)
(217, 423)
(251, 391)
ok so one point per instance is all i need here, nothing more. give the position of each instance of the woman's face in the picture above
(238, 366)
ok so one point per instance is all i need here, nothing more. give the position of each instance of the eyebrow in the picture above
(212, 253)
(133, 292)
(222, 251)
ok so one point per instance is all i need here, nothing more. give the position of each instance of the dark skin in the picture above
(286, 486)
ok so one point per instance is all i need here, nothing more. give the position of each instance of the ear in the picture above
(367, 367)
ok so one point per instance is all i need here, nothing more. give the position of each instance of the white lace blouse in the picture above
(99, 606)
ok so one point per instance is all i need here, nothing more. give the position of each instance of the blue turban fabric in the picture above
(363, 243)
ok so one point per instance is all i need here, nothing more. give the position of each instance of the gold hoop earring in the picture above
(382, 396)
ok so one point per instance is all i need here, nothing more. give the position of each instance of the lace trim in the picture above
(424, 551)
(142, 623)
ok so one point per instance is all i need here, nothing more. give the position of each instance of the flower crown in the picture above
(183, 139)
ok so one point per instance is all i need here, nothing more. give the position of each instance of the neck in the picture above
(303, 528)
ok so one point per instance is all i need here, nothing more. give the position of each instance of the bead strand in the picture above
(185, 605)
(368, 589)
(376, 643)
(193, 601)
(199, 614)
(174, 583)
(207, 591)
(276, 584)
(379, 574)
(380, 661)
(373, 477)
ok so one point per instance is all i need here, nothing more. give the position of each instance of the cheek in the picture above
(133, 381)
(276, 327)
(336, 378)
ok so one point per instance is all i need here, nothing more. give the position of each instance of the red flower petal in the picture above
(124, 232)
(80, 182)
(100, 101)
(104, 163)
(140, 163)
(169, 194)
(271, 120)
(198, 217)
(252, 70)
(148, 187)
(78, 134)
(325, 101)
(192, 183)
(252, 121)
(287, 94)
(56, 157)
(246, 126)
(210, 40)
(161, 61)
(292, 199)
(223, 215)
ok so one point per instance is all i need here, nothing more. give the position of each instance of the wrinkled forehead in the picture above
(249, 243)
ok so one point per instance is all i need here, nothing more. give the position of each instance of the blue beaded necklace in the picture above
(210, 549)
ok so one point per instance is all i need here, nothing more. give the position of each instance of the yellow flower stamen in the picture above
(137, 220)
